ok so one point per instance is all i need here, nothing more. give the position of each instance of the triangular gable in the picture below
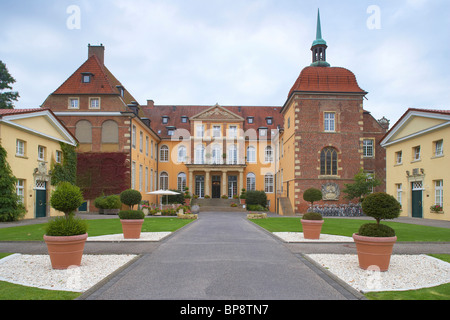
(40, 122)
(217, 113)
(416, 122)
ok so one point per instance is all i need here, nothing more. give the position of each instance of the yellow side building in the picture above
(32, 139)
(417, 163)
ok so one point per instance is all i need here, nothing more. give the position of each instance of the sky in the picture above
(232, 52)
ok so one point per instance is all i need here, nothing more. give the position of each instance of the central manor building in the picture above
(321, 137)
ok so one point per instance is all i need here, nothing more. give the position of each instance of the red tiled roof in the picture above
(5, 112)
(326, 79)
(175, 113)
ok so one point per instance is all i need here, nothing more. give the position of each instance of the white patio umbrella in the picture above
(162, 193)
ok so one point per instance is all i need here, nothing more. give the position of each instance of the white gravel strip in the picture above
(36, 271)
(145, 236)
(298, 237)
(406, 272)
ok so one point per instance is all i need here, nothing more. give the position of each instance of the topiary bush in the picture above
(131, 215)
(108, 202)
(380, 206)
(312, 195)
(66, 226)
(66, 198)
(130, 197)
(312, 216)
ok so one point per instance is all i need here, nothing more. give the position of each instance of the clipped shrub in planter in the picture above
(108, 204)
(130, 197)
(312, 225)
(65, 236)
(312, 195)
(374, 241)
(131, 220)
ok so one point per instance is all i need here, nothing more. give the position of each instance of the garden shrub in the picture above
(256, 197)
(66, 198)
(312, 195)
(376, 230)
(255, 207)
(131, 214)
(108, 202)
(312, 216)
(130, 197)
(66, 226)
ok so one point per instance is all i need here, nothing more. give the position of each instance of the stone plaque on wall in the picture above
(330, 191)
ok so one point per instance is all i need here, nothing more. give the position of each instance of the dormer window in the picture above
(263, 132)
(269, 120)
(184, 119)
(86, 77)
(171, 131)
(121, 90)
(165, 119)
(250, 120)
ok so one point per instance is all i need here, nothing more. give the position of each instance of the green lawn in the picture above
(346, 227)
(96, 228)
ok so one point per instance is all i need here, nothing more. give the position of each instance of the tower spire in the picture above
(319, 47)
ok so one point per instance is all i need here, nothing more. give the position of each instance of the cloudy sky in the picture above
(232, 52)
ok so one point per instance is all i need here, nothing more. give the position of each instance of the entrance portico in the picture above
(215, 180)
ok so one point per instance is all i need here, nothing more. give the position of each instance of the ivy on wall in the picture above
(103, 173)
(67, 170)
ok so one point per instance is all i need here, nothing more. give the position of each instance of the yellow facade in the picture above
(417, 163)
(32, 142)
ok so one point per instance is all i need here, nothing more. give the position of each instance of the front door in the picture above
(200, 186)
(232, 186)
(216, 187)
(41, 199)
(417, 208)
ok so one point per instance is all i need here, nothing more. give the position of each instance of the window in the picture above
(232, 132)
(269, 120)
(146, 179)
(133, 137)
(58, 156)
(263, 132)
(368, 148)
(133, 174)
(268, 183)
(164, 154)
(200, 131)
(86, 77)
(164, 181)
(165, 120)
(41, 153)
(182, 154)
(439, 148)
(20, 148)
(250, 120)
(329, 122)
(199, 155)
(268, 154)
(328, 162)
(416, 153)
(20, 190)
(439, 193)
(151, 180)
(141, 141)
(74, 103)
(146, 146)
(181, 182)
(170, 131)
(184, 119)
(251, 154)
(251, 182)
(398, 157)
(216, 154)
(289, 122)
(94, 103)
(110, 132)
(399, 193)
(141, 169)
(216, 131)
(232, 154)
(151, 149)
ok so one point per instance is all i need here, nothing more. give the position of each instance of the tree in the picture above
(312, 195)
(66, 198)
(11, 208)
(6, 98)
(363, 185)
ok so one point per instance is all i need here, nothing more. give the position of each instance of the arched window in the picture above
(328, 161)
(216, 154)
(268, 183)
(251, 154)
(268, 154)
(251, 182)
(83, 131)
(182, 154)
(110, 132)
(164, 154)
(164, 181)
(181, 181)
(232, 154)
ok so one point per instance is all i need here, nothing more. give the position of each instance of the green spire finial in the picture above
(319, 39)
(319, 47)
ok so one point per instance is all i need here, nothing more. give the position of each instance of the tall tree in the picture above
(6, 98)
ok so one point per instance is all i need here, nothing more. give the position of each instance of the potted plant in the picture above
(66, 236)
(187, 197)
(243, 196)
(312, 225)
(375, 241)
(436, 208)
(312, 195)
(131, 220)
(108, 204)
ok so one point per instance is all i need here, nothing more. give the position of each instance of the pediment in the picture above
(217, 113)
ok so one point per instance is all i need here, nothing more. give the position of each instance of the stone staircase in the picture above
(218, 205)
(286, 207)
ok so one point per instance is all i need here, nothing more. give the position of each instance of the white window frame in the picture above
(251, 154)
(399, 188)
(439, 192)
(368, 148)
(232, 132)
(93, 105)
(439, 148)
(268, 183)
(416, 153)
(181, 181)
(141, 169)
(59, 156)
(182, 154)
(164, 180)
(217, 131)
(164, 153)
(251, 181)
(133, 136)
(20, 190)
(268, 154)
(329, 121)
(74, 105)
(20, 148)
(41, 153)
(399, 157)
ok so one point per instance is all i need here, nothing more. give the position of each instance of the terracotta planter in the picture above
(373, 251)
(132, 228)
(312, 228)
(65, 251)
(242, 201)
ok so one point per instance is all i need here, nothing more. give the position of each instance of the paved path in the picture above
(221, 257)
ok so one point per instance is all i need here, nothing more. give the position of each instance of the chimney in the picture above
(150, 104)
(98, 51)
